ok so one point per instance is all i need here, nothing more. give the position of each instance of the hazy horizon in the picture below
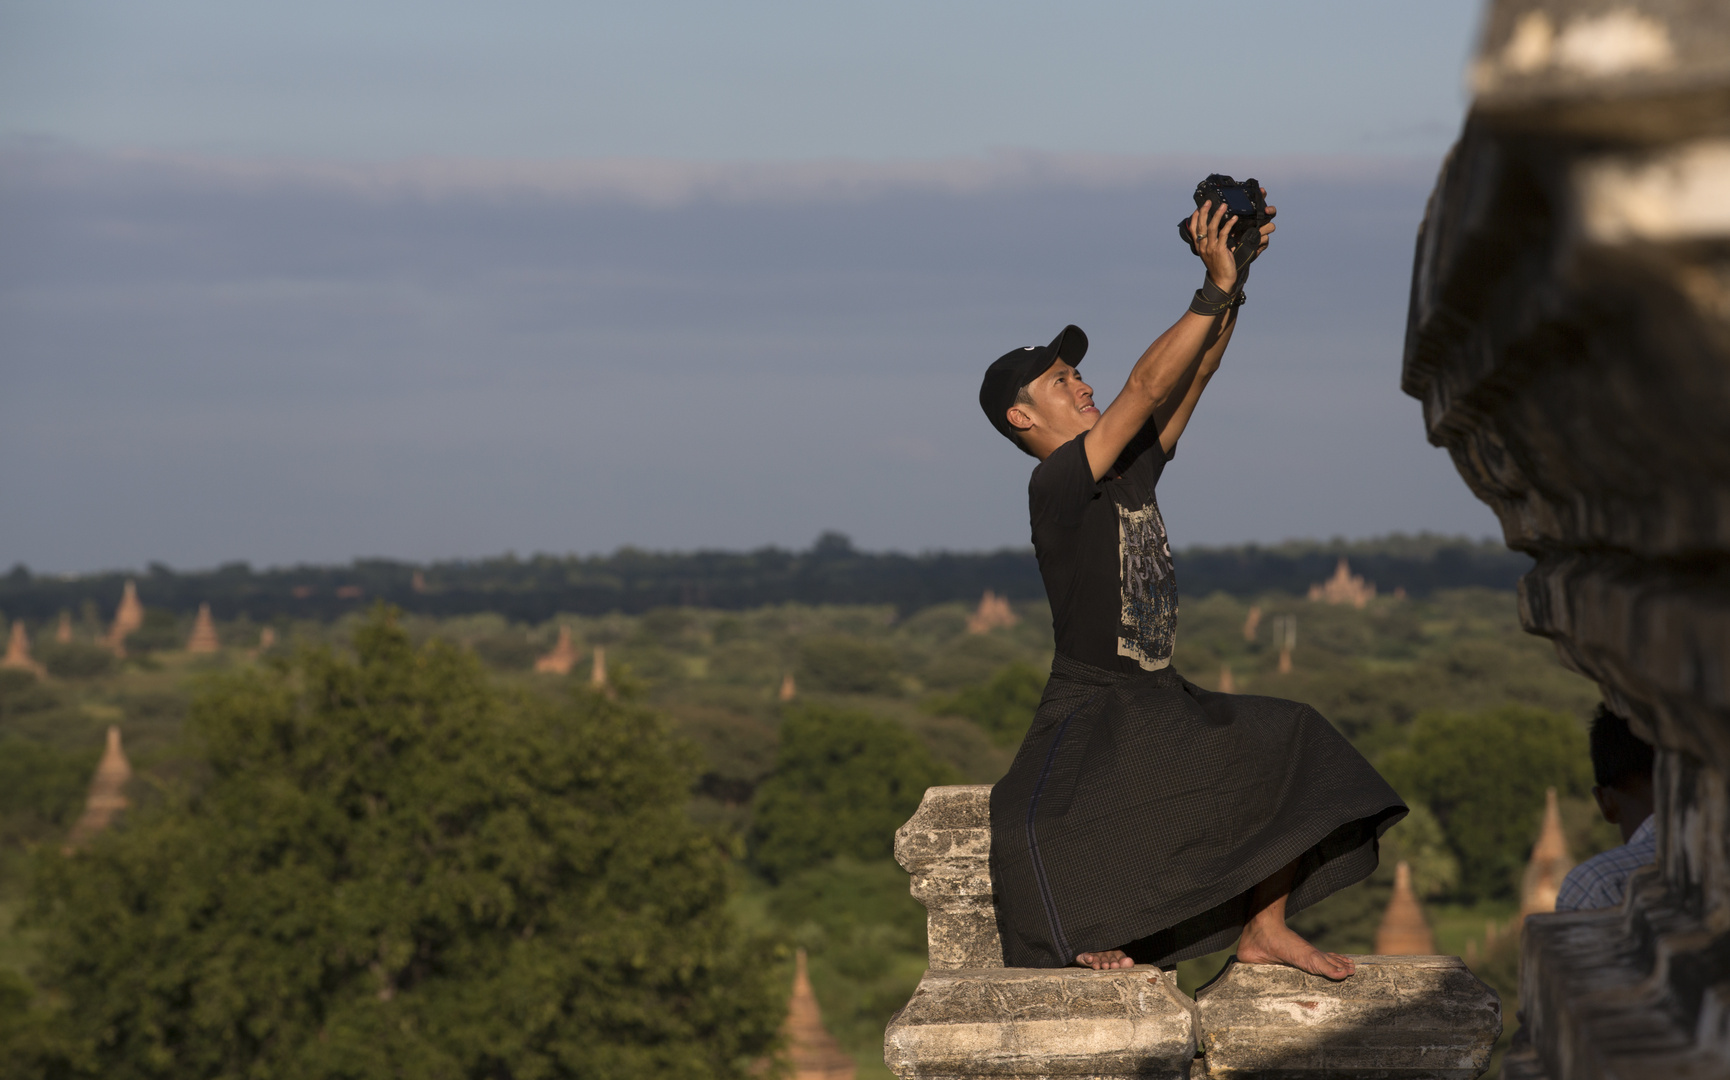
(272, 292)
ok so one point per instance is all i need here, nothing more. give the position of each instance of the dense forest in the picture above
(631, 581)
(769, 753)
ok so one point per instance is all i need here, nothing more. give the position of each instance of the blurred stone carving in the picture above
(128, 618)
(788, 689)
(1344, 587)
(203, 640)
(1404, 930)
(562, 658)
(993, 613)
(811, 1050)
(1569, 338)
(18, 652)
(107, 796)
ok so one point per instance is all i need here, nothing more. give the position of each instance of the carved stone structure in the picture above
(1404, 930)
(203, 639)
(107, 796)
(1407, 1017)
(994, 612)
(18, 652)
(1549, 864)
(128, 618)
(1569, 337)
(811, 1050)
(1344, 587)
(561, 659)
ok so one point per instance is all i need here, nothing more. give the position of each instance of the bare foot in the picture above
(1279, 944)
(1105, 961)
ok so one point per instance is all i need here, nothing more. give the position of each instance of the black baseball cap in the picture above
(1018, 367)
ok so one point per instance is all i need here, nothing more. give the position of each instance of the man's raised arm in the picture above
(1165, 376)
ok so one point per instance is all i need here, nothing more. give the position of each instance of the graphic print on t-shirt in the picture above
(1147, 628)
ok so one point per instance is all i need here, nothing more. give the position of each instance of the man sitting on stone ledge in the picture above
(1146, 820)
(1622, 766)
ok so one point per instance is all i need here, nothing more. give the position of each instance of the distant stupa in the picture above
(1344, 587)
(1251, 623)
(128, 617)
(63, 632)
(18, 652)
(1227, 685)
(1549, 864)
(788, 690)
(598, 673)
(1285, 634)
(811, 1050)
(562, 658)
(993, 612)
(1404, 930)
(203, 640)
(107, 793)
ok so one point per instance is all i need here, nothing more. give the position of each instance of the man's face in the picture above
(1062, 406)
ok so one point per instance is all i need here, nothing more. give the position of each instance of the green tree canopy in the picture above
(843, 782)
(1484, 775)
(389, 868)
(1004, 707)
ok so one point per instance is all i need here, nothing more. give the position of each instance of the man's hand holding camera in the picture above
(1228, 230)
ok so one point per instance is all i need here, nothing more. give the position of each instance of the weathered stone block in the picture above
(1407, 1017)
(1031, 1023)
(946, 847)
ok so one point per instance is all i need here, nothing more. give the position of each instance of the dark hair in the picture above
(1618, 755)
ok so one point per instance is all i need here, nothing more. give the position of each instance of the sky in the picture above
(301, 283)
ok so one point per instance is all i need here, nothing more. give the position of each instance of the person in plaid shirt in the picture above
(1622, 766)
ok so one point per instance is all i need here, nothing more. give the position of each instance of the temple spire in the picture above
(203, 640)
(107, 793)
(993, 612)
(18, 652)
(128, 617)
(1549, 864)
(811, 1050)
(562, 658)
(1404, 930)
(598, 672)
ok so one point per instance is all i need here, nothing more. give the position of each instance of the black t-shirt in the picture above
(1104, 556)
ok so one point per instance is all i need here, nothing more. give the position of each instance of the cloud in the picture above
(206, 359)
(661, 182)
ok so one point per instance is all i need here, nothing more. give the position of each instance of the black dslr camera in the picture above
(1245, 200)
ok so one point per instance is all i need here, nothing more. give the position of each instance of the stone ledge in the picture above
(946, 847)
(1407, 1017)
(1033, 1023)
